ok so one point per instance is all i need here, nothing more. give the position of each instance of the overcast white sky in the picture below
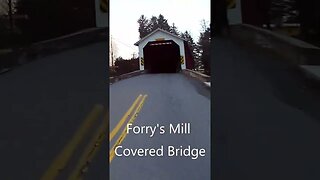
(186, 14)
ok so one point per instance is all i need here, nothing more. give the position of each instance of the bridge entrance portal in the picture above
(162, 57)
(163, 52)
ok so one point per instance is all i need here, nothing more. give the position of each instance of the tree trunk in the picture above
(220, 23)
(10, 14)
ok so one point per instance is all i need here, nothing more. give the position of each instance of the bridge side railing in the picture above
(197, 75)
(125, 76)
(205, 79)
(295, 51)
(20, 56)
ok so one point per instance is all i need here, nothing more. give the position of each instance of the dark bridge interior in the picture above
(162, 57)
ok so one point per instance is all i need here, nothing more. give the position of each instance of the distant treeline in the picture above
(123, 66)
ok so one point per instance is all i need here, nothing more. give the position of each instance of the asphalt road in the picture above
(172, 98)
(42, 104)
(266, 119)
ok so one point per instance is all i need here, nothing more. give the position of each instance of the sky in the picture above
(124, 14)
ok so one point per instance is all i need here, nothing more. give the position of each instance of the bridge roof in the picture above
(155, 31)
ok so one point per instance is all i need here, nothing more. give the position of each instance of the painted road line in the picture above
(90, 151)
(124, 132)
(60, 162)
(124, 118)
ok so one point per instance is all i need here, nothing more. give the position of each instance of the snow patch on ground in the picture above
(207, 84)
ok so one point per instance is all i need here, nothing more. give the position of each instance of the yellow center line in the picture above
(124, 132)
(123, 119)
(60, 162)
(90, 151)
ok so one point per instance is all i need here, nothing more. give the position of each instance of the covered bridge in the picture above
(164, 52)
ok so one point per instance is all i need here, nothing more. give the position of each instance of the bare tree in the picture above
(113, 53)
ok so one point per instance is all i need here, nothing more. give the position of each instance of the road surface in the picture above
(42, 104)
(171, 99)
(266, 120)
